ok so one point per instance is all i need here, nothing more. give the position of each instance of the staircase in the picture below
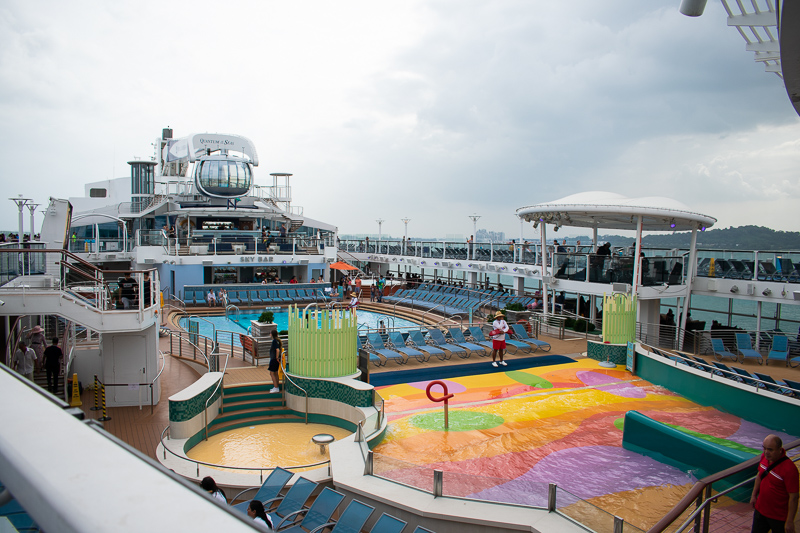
(250, 405)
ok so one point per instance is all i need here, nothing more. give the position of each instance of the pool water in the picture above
(266, 445)
(236, 324)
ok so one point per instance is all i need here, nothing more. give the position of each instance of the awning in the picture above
(341, 265)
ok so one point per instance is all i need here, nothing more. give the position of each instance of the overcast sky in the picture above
(430, 110)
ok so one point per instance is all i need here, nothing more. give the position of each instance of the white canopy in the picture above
(600, 209)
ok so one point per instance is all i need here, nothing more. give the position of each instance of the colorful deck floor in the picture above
(511, 433)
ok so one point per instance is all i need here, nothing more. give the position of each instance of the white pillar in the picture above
(690, 278)
(636, 251)
(543, 237)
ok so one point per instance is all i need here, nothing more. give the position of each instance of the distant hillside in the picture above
(742, 238)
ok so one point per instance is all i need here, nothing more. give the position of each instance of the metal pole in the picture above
(405, 233)
(380, 222)
(32, 208)
(20, 201)
(474, 232)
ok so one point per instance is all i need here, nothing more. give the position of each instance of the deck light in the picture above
(767, 291)
(672, 223)
(734, 289)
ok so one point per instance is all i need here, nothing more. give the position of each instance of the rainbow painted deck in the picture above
(513, 433)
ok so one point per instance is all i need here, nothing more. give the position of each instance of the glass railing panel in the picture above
(399, 471)
(495, 489)
(587, 514)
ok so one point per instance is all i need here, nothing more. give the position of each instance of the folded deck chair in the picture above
(779, 350)
(271, 488)
(477, 336)
(317, 515)
(376, 343)
(522, 334)
(747, 377)
(458, 337)
(439, 340)
(720, 353)
(772, 385)
(294, 500)
(745, 348)
(388, 524)
(352, 520)
(399, 344)
(415, 336)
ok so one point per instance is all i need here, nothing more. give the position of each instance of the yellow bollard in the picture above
(76, 395)
(96, 386)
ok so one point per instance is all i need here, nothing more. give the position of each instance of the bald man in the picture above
(775, 493)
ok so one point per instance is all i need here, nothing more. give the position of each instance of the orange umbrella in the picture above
(341, 265)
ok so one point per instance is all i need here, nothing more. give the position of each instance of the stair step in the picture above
(263, 404)
(258, 412)
(214, 428)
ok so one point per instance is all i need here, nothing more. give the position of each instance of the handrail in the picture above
(153, 383)
(287, 376)
(202, 352)
(213, 329)
(11, 342)
(219, 382)
(697, 489)
(213, 465)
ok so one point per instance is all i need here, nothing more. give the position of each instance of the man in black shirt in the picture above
(127, 290)
(52, 365)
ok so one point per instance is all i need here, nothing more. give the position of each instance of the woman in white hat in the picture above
(498, 334)
(37, 343)
(353, 300)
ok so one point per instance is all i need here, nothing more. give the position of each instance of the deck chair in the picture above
(376, 343)
(477, 336)
(415, 336)
(388, 524)
(374, 358)
(720, 353)
(772, 385)
(317, 515)
(522, 334)
(399, 345)
(726, 371)
(794, 385)
(779, 350)
(271, 488)
(745, 348)
(352, 520)
(747, 377)
(458, 337)
(439, 340)
(702, 363)
(293, 501)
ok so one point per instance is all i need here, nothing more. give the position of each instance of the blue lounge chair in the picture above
(726, 371)
(477, 336)
(522, 334)
(352, 520)
(439, 340)
(376, 343)
(458, 337)
(779, 350)
(747, 377)
(388, 524)
(374, 358)
(263, 296)
(415, 336)
(772, 385)
(745, 348)
(271, 488)
(399, 344)
(720, 353)
(794, 385)
(293, 501)
(317, 515)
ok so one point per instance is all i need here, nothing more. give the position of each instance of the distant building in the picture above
(490, 236)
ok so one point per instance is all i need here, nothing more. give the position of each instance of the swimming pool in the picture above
(236, 324)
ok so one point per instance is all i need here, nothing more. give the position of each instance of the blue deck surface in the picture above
(483, 367)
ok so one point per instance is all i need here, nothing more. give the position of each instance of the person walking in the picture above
(24, 361)
(498, 334)
(775, 493)
(52, 365)
(381, 285)
(275, 360)
(37, 342)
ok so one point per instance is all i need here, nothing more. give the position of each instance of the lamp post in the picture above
(380, 222)
(405, 233)
(474, 232)
(32, 207)
(20, 201)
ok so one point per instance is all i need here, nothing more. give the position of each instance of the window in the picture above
(97, 193)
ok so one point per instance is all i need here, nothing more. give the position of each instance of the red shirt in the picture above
(774, 490)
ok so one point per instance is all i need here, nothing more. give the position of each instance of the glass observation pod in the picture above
(223, 176)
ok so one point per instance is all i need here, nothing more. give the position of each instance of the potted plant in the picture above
(516, 312)
(264, 325)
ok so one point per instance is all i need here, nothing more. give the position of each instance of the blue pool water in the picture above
(229, 328)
